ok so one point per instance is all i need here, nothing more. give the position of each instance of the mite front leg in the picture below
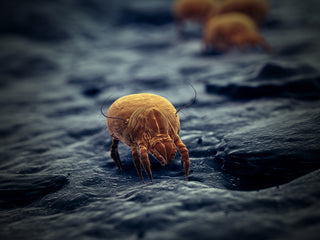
(184, 155)
(115, 153)
(144, 160)
(137, 162)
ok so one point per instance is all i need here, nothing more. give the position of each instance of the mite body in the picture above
(193, 10)
(256, 9)
(227, 31)
(146, 123)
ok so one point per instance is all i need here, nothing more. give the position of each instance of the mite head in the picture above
(162, 148)
(159, 142)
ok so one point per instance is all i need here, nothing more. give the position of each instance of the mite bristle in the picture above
(190, 103)
(101, 107)
(101, 110)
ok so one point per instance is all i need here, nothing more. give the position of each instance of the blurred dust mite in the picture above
(198, 11)
(256, 9)
(146, 123)
(233, 30)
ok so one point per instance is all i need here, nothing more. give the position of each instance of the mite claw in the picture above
(150, 175)
(140, 175)
(138, 167)
(147, 169)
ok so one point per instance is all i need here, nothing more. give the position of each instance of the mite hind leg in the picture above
(185, 162)
(115, 152)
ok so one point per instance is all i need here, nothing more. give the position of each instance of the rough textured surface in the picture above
(252, 135)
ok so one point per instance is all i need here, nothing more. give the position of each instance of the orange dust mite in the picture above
(256, 9)
(226, 31)
(146, 123)
(193, 10)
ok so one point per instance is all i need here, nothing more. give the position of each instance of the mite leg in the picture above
(180, 27)
(115, 153)
(144, 160)
(266, 46)
(137, 162)
(184, 155)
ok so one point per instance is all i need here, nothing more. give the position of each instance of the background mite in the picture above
(233, 30)
(198, 11)
(255, 9)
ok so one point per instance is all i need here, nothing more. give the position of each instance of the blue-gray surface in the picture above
(253, 134)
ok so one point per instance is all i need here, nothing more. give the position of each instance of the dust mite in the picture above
(255, 9)
(146, 123)
(193, 10)
(230, 30)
